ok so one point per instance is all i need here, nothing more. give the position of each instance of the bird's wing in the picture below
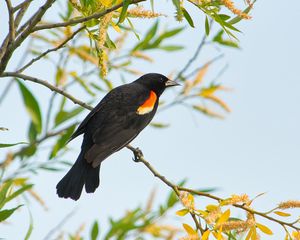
(107, 100)
(118, 126)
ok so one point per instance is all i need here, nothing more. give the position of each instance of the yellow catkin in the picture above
(289, 204)
(190, 237)
(230, 5)
(102, 62)
(296, 235)
(240, 226)
(187, 200)
(103, 25)
(140, 12)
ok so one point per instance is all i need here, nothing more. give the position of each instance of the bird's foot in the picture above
(138, 154)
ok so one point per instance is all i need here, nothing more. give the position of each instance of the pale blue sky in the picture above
(255, 149)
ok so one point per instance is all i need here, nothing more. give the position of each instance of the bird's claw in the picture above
(138, 154)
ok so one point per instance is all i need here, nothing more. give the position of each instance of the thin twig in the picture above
(21, 5)
(83, 19)
(188, 64)
(48, 85)
(196, 70)
(59, 225)
(51, 50)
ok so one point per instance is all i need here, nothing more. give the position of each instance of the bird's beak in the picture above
(171, 83)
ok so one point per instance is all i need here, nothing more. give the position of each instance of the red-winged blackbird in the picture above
(119, 117)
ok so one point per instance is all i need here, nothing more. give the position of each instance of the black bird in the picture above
(119, 117)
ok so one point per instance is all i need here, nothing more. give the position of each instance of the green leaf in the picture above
(4, 214)
(224, 17)
(159, 125)
(149, 35)
(64, 116)
(5, 145)
(61, 142)
(32, 132)
(165, 35)
(4, 188)
(171, 48)
(109, 43)
(32, 106)
(179, 12)
(124, 11)
(95, 231)
(238, 18)
(188, 17)
(207, 28)
(30, 228)
(133, 30)
(18, 192)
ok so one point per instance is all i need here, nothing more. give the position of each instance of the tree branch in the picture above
(51, 50)
(188, 64)
(83, 19)
(29, 25)
(48, 85)
(11, 22)
(177, 190)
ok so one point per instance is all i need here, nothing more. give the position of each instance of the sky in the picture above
(255, 149)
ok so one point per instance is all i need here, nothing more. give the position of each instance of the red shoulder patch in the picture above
(148, 105)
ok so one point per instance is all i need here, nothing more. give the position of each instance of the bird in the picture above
(115, 121)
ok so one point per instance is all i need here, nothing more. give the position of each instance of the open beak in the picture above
(171, 83)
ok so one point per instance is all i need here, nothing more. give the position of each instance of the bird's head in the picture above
(156, 82)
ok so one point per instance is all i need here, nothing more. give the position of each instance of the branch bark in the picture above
(83, 19)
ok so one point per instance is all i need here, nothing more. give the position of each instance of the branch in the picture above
(11, 22)
(187, 65)
(83, 19)
(32, 22)
(48, 85)
(21, 5)
(140, 158)
(51, 50)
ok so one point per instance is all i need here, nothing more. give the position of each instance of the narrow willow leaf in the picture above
(95, 231)
(18, 192)
(32, 106)
(63, 116)
(224, 217)
(5, 145)
(264, 229)
(182, 212)
(159, 125)
(207, 27)
(4, 214)
(205, 235)
(282, 214)
(122, 17)
(171, 48)
(148, 37)
(30, 228)
(188, 17)
(61, 142)
(189, 229)
(238, 18)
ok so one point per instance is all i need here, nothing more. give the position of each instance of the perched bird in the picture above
(119, 117)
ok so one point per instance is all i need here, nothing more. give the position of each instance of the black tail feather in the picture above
(81, 173)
